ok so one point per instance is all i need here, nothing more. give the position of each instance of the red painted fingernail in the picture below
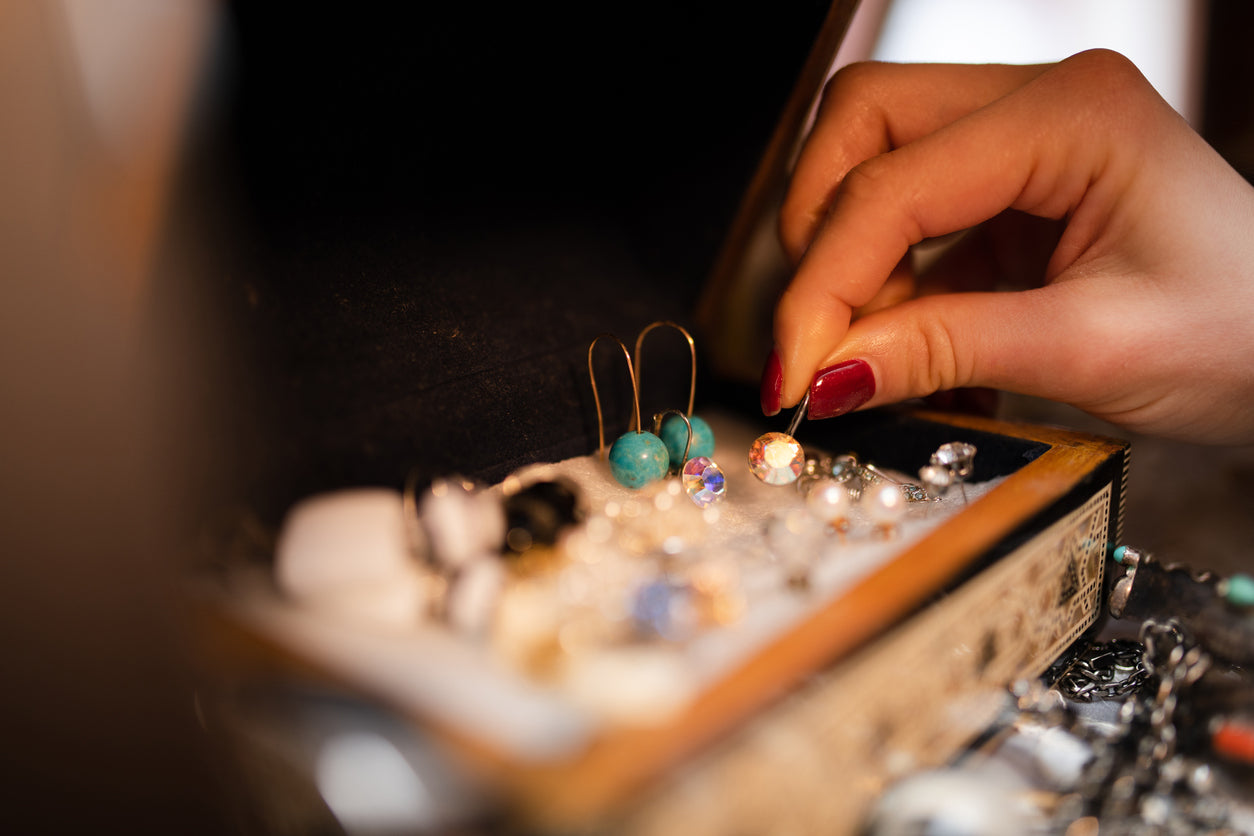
(841, 388)
(772, 384)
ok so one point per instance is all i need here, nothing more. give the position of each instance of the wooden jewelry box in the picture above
(891, 670)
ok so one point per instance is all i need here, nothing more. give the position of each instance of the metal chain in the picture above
(1137, 782)
(1105, 671)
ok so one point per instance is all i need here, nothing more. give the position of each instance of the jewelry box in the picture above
(802, 720)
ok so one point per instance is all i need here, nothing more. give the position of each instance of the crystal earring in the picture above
(951, 464)
(702, 478)
(636, 458)
(672, 431)
(777, 458)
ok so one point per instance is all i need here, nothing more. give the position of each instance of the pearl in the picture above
(829, 501)
(885, 505)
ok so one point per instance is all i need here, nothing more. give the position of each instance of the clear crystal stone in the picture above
(957, 457)
(776, 459)
(703, 481)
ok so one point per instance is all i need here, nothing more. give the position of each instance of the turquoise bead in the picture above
(637, 459)
(675, 435)
(1240, 590)
(1119, 552)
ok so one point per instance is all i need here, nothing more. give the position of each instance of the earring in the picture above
(672, 431)
(702, 478)
(636, 458)
(777, 458)
(951, 464)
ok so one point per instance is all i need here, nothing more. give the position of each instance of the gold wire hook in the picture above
(657, 430)
(635, 390)
(692, 350)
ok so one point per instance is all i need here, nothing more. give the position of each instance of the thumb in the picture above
(1008, 341)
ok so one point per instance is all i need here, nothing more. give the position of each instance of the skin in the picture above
(1110, 262)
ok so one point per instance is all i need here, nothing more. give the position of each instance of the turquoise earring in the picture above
(636, 458)
(692, 434)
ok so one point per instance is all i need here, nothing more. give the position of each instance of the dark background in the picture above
(421, 222)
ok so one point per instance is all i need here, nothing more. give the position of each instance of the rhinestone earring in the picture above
(636, 458)
(672, 431)
(778, 458)
(702, 478)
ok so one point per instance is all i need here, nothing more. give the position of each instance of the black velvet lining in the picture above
(433, 215)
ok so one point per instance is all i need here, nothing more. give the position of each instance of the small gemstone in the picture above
(1239, 590)
(914, 493)
(674, 435)
(637, 459)
(703, 481)
(665, 609)
(776, 459)
(845, 468)
(957, 456)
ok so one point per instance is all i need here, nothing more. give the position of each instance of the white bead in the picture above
(472, 600)
(344, 538)
(829, 501)
(461, 523)
(885, 504)
(346, 555)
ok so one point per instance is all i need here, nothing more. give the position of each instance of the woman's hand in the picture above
(1112, 267)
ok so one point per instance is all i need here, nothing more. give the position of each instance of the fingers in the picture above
(963, 173)
(928, 345)
(871, 108)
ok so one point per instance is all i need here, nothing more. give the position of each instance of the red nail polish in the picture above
(772, 385)
(841, 388)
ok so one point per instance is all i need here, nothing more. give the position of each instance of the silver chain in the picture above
(1104, 671)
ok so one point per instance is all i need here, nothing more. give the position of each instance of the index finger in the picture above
(994, 158)
(871, 108)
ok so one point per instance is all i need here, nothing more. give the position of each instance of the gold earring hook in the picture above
(692, 350)
(635, 390)
(657, 430)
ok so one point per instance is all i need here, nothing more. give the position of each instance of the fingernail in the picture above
(772, 384)
(841, 388)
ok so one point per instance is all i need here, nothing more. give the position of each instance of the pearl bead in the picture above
(829, 502)
(885, 505)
